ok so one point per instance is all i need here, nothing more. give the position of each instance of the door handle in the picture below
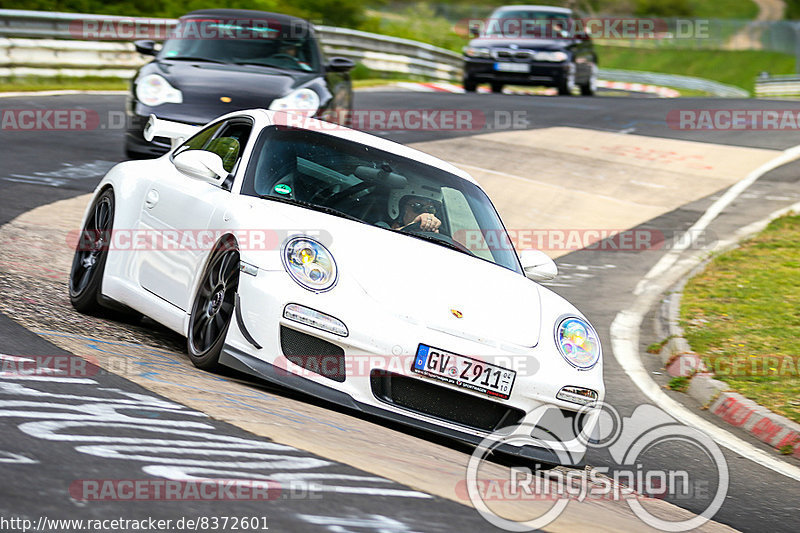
(151, 199)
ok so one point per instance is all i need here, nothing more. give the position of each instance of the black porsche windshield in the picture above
(241, 43)
(345, 178)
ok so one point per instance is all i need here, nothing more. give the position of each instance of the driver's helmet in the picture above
(290, 46)
(425, 195)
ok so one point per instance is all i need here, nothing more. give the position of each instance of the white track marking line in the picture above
(625, 327)
(716, 208)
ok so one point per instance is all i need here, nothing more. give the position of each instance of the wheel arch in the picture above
(226, 239)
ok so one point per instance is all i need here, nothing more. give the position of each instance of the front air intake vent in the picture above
(314, 354)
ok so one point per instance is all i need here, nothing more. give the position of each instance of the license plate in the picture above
(464, 371)
(511, 67)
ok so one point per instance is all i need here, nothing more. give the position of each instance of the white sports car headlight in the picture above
(578, 342)
(310, 264)
(153, 90)
(302, 101)
(555, 57)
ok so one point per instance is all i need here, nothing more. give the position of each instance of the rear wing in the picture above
(176, 132)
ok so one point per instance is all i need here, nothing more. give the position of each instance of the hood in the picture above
(420, 281)
(524, 44)
(202, 85)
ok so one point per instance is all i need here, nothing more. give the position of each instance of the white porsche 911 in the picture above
(346, 266)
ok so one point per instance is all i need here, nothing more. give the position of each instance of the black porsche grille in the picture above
(314, 354)
(443, 403)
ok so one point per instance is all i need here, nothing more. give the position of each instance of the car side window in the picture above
(226, 139)
(230, 142)
(199, 141)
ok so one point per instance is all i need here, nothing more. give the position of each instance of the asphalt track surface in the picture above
(36, 469)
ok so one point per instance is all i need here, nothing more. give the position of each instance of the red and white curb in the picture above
(731, 407)
(441, 87)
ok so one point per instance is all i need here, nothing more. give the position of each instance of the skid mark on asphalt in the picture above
(67, 173)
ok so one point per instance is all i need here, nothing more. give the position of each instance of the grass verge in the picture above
(738, 68)
(58, 84)
(729, 9)
(742, 315)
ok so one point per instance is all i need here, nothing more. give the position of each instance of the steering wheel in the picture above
(416, 227)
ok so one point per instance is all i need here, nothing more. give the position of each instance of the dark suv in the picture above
(531, 45)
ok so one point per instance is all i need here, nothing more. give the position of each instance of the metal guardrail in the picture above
(778, 86)
(676, 81)
(35, 43)
(43, 43)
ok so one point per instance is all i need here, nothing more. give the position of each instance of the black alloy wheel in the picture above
(213, 307)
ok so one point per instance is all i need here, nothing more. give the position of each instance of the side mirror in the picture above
(537, 265)
(202, 165)
(145, 47)
(340, 64)
(474, 31)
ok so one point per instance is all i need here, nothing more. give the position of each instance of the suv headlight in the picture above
(578, 342)
(310, 264)
(554, 57)
(153, 90)
(302, 102)
(470, 51)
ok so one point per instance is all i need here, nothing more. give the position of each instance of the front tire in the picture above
(497, 88)
(566, 86)
(91, 253)
(470, 86)
(590, 87)
(213, 308)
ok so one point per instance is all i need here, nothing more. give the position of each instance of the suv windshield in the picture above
(526, 23)
(243, 43)
(349, 179)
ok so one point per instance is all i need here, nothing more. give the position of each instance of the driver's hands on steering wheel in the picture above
(427, 222)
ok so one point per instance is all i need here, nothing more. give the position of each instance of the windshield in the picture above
(243, 43)
(526, 24)
(349, 179)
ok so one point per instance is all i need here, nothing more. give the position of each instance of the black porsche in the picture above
(220, 60)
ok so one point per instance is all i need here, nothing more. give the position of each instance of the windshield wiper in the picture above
(256, 63)
(193, 58)
(315, 207)
(442, 241)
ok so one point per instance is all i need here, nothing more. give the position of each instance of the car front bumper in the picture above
(370, 371)
(539, 74)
